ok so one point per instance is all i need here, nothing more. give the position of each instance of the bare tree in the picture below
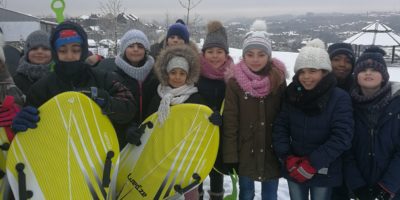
(110, 10)
(189, 5)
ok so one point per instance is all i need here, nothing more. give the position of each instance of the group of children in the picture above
(337, 118)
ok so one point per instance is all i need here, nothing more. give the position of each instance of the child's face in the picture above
(175, 40)
(39, 55)
(215, 56)
(255, 59)
(341, 66)
(310, 77)
(369, 79)
(135, 53)
(177, 77)
(69, 52)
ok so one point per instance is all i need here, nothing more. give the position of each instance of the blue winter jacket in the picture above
(322, 138)
(375, 154)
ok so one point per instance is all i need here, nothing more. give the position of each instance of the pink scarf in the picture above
(216, 74)
(253, 84)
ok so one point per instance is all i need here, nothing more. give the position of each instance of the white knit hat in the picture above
(313, 55)
(2, 57)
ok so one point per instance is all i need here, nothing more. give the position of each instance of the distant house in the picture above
(17, 26)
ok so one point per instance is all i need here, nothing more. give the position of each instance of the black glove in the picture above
(232, 166)
(133, 135)
(380, 193)
(100, 96)
(364, 193)
(28, 117)
(216, 118)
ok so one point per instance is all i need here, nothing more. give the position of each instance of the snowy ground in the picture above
(289, 59)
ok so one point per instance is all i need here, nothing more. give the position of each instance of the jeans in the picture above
(269, 189)
(300, 191)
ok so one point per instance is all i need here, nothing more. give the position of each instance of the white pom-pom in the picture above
(316, 43)
(259, 25)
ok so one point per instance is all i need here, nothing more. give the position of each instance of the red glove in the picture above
(8, 111)
(303, 172)
(292, 162)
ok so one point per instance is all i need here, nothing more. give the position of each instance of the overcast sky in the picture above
(209, 9)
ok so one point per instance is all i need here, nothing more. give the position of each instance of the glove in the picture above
(133, 135)
(8, 111)
(381, 193)
(364, 193)
(303, 172)
(292, 162)
(216, 118)
(231, 166)
(99, 95)
(28, 117)
(7, 115)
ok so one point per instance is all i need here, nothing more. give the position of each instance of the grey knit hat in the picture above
(178, 62)
(216, 37)
(257, 38)
(131, 37)
(313, 55)
(36, 39)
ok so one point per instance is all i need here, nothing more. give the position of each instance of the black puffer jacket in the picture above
(120, 105)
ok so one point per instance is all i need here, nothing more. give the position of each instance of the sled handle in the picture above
(5, 146)
(23, 193)
(180, 190)
(58, 10)
(107, 169)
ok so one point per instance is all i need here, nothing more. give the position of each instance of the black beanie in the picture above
(372, 58)
(341, 48)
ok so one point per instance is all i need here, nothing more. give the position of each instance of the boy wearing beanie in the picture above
(177, 34)
(314, 127)
(252, 101)
(374, 162)
(215, 65)
(71, 73)
(36, 62)
(342, 58)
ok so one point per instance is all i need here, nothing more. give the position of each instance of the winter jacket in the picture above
(142, 93)
(119, 104)
(247, 136)
(120, 107)
(375, 153)
(321, 137)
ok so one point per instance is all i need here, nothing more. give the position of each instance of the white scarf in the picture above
(172, 96)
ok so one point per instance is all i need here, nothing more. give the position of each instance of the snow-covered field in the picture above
(289, 59)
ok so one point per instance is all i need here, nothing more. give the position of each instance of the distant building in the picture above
(17, 26)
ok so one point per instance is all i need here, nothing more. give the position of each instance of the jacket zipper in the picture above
(371, 145)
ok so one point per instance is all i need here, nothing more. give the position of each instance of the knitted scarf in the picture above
(371, 106)
(139, 73)
(172, 96)
(311, 102)
(253, 84)
(33, 71)
(216, 74)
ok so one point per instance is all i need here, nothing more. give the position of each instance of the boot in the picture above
(216, 196)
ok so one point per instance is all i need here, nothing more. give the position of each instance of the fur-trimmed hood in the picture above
(185, 51)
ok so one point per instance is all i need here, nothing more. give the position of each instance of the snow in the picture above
(289, 59)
